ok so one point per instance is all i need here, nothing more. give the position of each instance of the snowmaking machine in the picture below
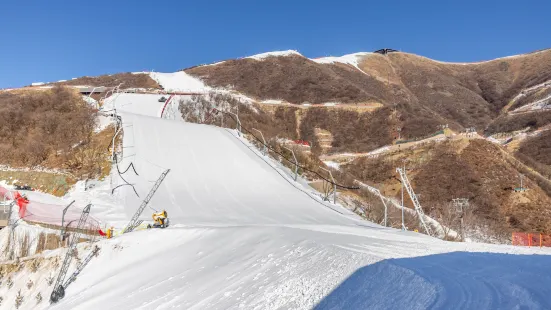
(160, 220)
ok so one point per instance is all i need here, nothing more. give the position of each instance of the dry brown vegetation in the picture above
(426, 93)
(128, 79)
(51, 129)
(538, 148)
(352, 131)
(295, 79)
(509, 123)
(474, 169)
(279, 123)
(36, 125)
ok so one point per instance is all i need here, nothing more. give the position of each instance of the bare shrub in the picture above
(35, 264)
(50, 280)
(351, 130)
(19, 300)
(128, 79)
(509, 123)
(38, 124)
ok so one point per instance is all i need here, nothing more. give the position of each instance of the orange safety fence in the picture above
(531, 239)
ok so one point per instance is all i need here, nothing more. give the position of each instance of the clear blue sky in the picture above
(52, 40)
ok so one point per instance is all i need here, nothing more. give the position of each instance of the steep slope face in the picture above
(426, 92)
(204, 187)
(293, 78)
(538, 148)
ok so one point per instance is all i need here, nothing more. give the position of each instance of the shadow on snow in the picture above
(457, 280)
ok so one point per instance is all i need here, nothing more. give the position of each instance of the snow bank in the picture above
(91, 101)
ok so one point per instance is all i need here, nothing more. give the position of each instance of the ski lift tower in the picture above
(416, 204)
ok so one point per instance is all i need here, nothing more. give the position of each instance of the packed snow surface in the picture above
(244, 235)
(179, 82)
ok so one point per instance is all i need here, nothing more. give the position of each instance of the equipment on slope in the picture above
(160, 220)
(81, 266)
(134, 221)
(59, 291)
(418, 209)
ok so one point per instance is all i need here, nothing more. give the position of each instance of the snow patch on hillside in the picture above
(272, 101)
(350, 59)
(274, 54)
(332, 164)
(179, 82)
(214, 64)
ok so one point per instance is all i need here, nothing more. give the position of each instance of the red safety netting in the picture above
(50, 214)
(4, 193)
(531, 239)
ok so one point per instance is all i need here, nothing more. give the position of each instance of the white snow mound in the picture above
(274, 54)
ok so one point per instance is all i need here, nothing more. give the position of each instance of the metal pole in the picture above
(238, 123)
(384, 204)
(296, 162)
(63, 219)
(403, 225)
(264, 151)
(334, 186)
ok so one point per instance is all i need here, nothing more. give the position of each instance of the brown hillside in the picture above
(128, 79)
(536, 153)
(52, 128)
(474, 169)
(293, 78)
(427, 93)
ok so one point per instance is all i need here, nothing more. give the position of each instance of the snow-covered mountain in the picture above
(244, 234)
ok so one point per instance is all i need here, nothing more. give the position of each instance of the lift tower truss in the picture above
(416, 204)
(134, 222)
(59, 291)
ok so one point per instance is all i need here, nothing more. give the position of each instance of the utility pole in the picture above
(296, 162)
(403, 225)
(264, 149)
(63, 220)
(521, 176)
(461, 204)
(334, 185)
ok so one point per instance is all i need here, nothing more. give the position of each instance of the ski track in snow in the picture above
(243, 237)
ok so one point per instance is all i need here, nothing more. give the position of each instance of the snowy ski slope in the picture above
(245, 236)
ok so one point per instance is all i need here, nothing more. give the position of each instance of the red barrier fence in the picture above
(45, 213)
(531, 239)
